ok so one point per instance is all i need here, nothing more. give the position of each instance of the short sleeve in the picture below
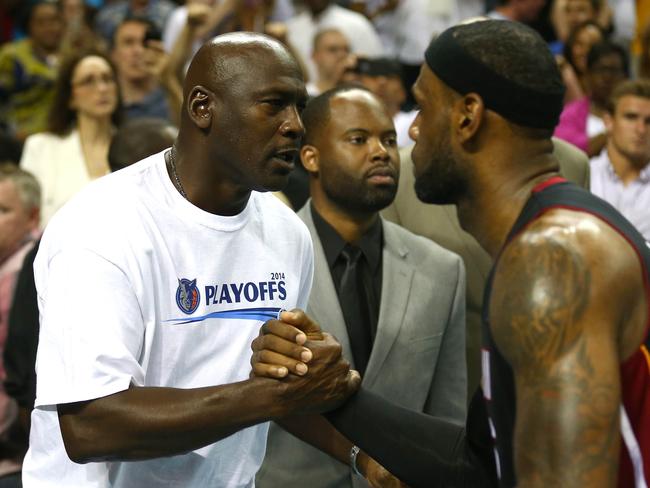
(92, 330)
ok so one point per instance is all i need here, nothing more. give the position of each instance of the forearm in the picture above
(217, 15)
(317, 431)
(422, 451)
(146, 422)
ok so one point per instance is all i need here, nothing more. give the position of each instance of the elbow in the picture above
(80, 444)
(77, 447)
(83, 443)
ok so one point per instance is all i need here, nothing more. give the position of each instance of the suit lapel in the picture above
(397, 276)
(324, 305)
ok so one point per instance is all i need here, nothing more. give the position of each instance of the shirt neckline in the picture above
(186, 210)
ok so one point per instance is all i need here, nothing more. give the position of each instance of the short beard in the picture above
(443, 182)
(354, 197)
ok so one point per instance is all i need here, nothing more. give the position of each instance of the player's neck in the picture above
(204, 187)
(492, 208)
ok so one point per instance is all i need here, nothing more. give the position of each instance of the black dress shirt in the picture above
(370, 268)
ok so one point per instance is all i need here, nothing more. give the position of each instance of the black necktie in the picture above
(353, 302)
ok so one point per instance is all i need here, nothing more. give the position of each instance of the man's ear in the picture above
(34, 216)
(199, 107)
(310, 158)
(470, 111)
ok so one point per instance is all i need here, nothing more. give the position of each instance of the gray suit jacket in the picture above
(440, 224)
(417, 359)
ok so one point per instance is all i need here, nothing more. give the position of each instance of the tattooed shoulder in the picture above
(541, 290)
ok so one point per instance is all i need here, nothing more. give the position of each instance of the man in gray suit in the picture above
(440, 224)
(408, 336)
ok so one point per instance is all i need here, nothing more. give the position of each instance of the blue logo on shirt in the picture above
(187, 296)
(188, 300)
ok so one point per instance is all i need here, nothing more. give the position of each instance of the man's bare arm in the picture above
(547, 321)
(146, 422)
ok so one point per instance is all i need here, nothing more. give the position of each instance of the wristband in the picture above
(354, 452)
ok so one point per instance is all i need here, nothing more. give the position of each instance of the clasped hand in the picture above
(321, 380)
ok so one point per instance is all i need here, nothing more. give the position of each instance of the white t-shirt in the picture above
(136, 286)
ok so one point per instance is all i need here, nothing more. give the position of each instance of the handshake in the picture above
(315, 376)
(312, 377)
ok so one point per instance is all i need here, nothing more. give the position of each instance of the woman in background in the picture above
(82, 120)
(581, 122)
(573, 63)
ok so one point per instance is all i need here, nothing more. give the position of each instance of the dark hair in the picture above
(606, 48)
(636, 88)
(512, 50)
(137, 19)
(137, 139)
(516, 53)
(568, 46)
(317, 112)
(61, 117)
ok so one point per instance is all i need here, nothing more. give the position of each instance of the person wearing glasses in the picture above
(82, 121)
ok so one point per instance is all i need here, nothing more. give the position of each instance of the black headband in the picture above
(464, 74)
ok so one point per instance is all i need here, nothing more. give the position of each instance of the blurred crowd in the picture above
(88, 87)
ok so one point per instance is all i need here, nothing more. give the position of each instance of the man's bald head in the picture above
(223, 59)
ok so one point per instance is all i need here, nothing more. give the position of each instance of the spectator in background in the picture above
(577, 12)
(567, 15)
(581, 122)
(138, 139)
(82, 120)
(113, 14)
(331, 57)
(79, 34)
(19, 216)
(213, 19)
(525, 11)
(573, 62)
(621, 173)
(383, 77)
(322, 14)
(148, 86)
(28, 71)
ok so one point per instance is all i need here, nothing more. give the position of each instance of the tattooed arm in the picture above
(555, 314)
